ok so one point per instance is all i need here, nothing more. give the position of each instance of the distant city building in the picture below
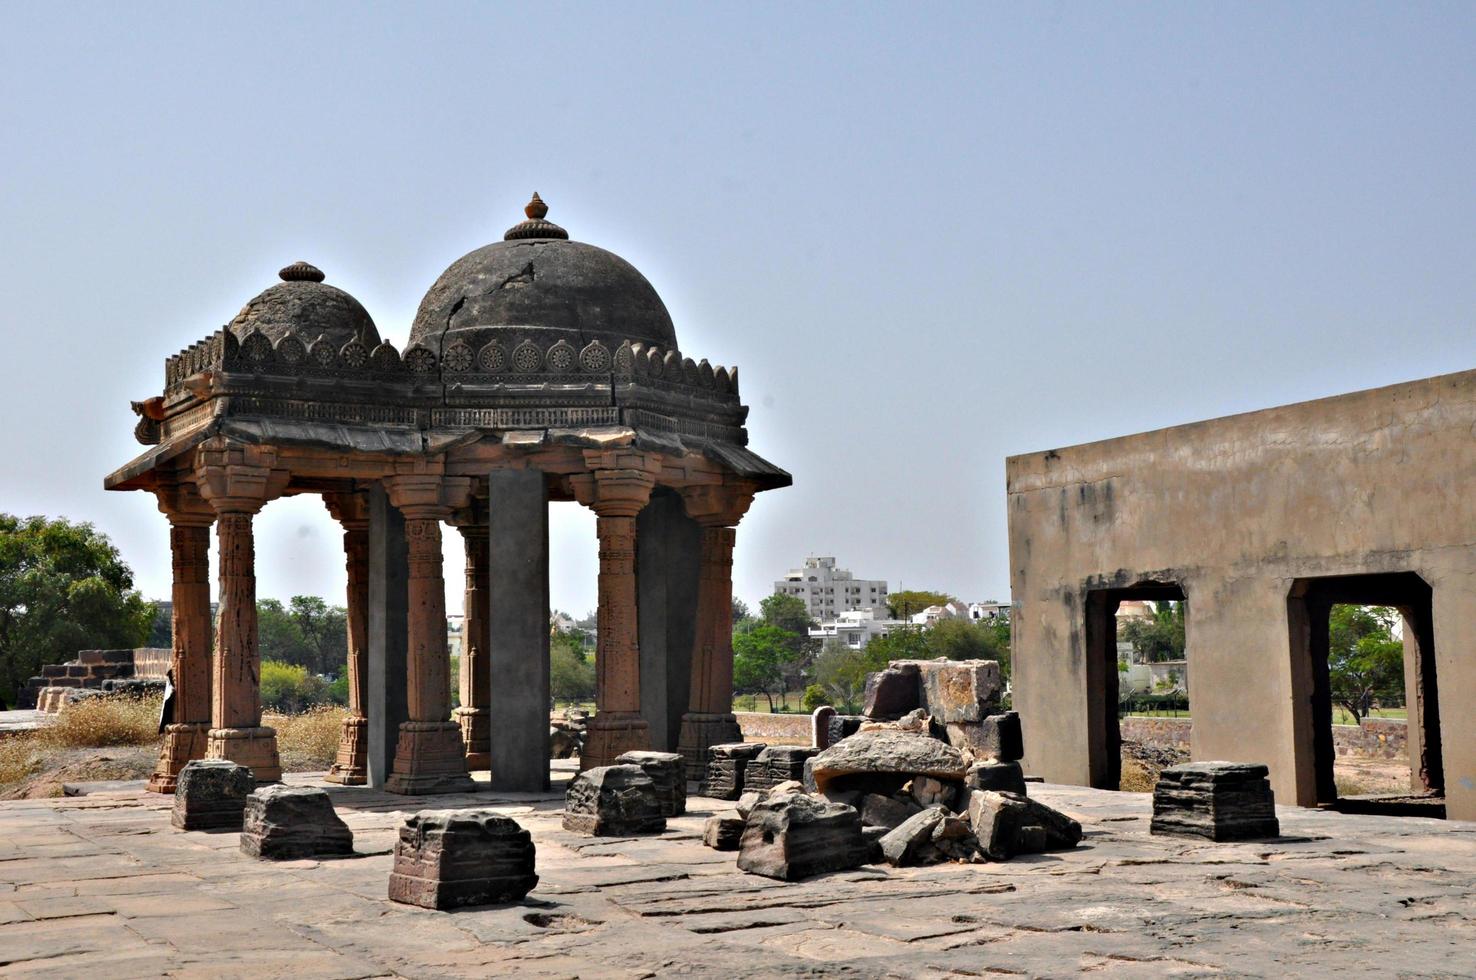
(855, 628)
(829, 591)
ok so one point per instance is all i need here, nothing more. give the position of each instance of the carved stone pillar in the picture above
(186, 729)
(238, 481)
(350, 768)
(710, 720)
(475, 677)
(429, 757)
(617, 487)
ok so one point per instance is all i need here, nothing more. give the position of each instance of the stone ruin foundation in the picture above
(449, 859)
(1223, 801)
(287, 823)
(211, 795)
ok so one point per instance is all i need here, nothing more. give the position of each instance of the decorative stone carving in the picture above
(420, 361)
(613, 801)
(727, 769)
(595, 358)
(454, 858)
(458, 357)
(778, 764)
(322, 354)
(354, 354)
(287, 823)
(385, 358)
(527, 358)
(560, 358)
(290, 351)
(211, 795)
(492, 358)
(256, 348)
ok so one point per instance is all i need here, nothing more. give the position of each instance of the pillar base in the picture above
(699, 733)
(429, 759)
(610, 735)
(183, 743)
(350, 768)
(476, 735)
(254, 748)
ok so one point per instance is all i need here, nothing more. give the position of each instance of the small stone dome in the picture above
(537, 284)
(303, 304)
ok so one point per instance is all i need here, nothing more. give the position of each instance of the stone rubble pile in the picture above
(791, 836)
(447, 859)
(285, 823)
(1223, 801)
(566, 733)
(1007, 824)
(667, 773)
(777, 764)
(727, 768)
(211, 795)
(613, 801)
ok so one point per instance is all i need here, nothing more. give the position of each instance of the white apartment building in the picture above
(855, 628)
(829, 591)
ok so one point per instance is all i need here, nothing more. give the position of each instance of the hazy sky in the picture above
(930, 235)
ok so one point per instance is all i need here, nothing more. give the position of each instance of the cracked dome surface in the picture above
(542, 289)
(312, 309)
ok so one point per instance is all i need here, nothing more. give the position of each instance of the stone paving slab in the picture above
(101, 886)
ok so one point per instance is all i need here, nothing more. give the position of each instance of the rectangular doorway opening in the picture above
(1136, 665)
(1366, 646)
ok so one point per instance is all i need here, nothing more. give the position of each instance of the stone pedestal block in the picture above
(1001, 777)
(613, 801)
(778, 764)
(668, 773)
(793, 836)
(351, 766)
(255, 748)
(183, 743)
(1223, 801)
(727, 769)
(723, 831)
(429, 759)
(476, 736)
(452, 858)
(210, 794)
(286, 823)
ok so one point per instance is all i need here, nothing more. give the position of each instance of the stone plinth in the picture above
(791, 836)
(727, 768)
(210, 794)
(613, 801)
(1220, 800)
(452, 858)
(285, 823)
(667, 772)
(778, 764)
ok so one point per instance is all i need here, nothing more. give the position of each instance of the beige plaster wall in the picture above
(1234, 510)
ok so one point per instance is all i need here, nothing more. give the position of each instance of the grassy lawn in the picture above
(1340, 715)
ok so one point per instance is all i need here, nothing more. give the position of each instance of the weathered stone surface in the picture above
(1003, 824)
(927, 791)
(893, 692)
(1001, 777)
(1223, 801)
(667, 772)
(793, 836)
(778, 764)
(723, 831)
(727, 768)
(886, 752)
(959, 690)
(913, 838)
(211, 795)
(452, 858)
(563, 743)
(286, 823)
(749, 800)
(613, 801)
(885, 811)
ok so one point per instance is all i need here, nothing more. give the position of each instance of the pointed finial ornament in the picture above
(301, 272)
(535, 226)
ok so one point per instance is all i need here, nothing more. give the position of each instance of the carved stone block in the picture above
(613, 801)
(210, 794)
(452, 858)
(667, 773)
(286, 823)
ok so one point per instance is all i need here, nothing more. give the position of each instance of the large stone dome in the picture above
(303, 304)
(537, 285)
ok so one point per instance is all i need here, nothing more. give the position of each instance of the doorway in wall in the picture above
(1344, 631)
(1162, 673)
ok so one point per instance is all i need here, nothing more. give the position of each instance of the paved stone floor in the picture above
(102, 886)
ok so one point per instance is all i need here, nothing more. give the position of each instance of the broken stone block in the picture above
(563, 743)
(873, 837)
(793, 836)
(778, 764)
(748, 801)
(959, 690)
(447, 859)
(285, 823)
(667, 772)
(883, 760)
(1000, 737)
(1001, 777)
(613, 801)
(723, 831)
(1223, 801)
(727, 768)
(210, 794)
(911, 841)
(928, 791)
(885, 811)
(893, 692)
(1002, 822)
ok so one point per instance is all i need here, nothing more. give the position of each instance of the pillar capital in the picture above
(619, 482)
(718, 504)
(180, 501)
(349, 508)
(238, 479)
(428, 496)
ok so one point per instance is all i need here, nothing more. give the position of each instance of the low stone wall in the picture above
(151, 663)
(1376, 738)
(760, 726)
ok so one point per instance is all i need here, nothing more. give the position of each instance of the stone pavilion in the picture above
(537, 369)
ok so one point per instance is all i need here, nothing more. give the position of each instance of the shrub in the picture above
(308, 741)
(338, 691)
(289, 688)
(102, 721)
(815, 697)
(20, 756)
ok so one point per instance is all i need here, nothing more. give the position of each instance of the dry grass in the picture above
(20, 756)
(1136, 777)
(104, 721)
(308, 742)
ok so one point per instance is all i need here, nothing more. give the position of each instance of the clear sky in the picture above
(930, 235)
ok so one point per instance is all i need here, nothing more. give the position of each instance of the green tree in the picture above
(1160, 638)
(740, 610)
(789, 613)
(1364, 659)
(307, 632)
(910, 602)
(571, 672)
(762, 657)
(290, 688)
(841, 671)
(63, 588)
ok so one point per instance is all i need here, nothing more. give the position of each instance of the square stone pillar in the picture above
(668, 547)
(429, 757)
(350, 768)
(517, 617)
(388, 590)
(473, 716)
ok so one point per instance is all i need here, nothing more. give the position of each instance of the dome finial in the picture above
(535, 226)
(301, 272)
